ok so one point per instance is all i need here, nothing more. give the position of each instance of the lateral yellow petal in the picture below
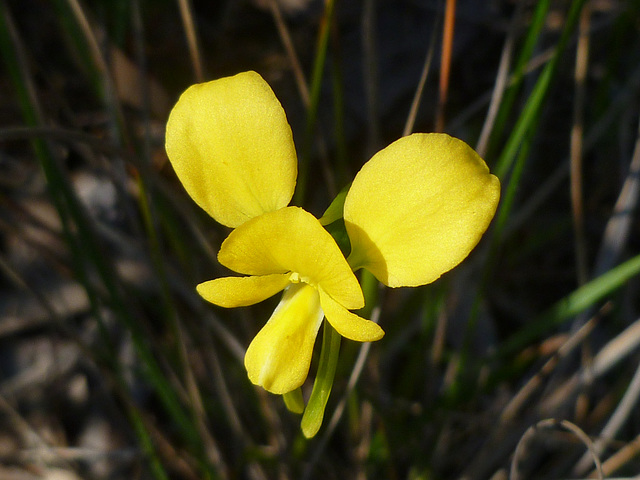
(278, 358)
(348, 324)
(291, 240)
(231, 292)
(231, 147)
(418, 208)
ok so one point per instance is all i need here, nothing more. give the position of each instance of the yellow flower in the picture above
(413, 212)
(231, 147)
(289, 249)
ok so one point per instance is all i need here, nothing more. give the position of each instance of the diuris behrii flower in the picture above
(413, 212)
(288, 248)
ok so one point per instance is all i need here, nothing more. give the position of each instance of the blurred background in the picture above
(521, 363)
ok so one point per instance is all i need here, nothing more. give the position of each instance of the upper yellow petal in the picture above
(233, 292)
(278, 358)
(292, 240)
(231, 147)
(418, 207)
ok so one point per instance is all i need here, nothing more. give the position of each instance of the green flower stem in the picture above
(314, 413)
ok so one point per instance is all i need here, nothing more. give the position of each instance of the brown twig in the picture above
(553, 423)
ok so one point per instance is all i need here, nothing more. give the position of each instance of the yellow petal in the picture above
(348, 324)
(418, 207)
(233, 292)
(278, 358)
(292, 240)
(231, 147)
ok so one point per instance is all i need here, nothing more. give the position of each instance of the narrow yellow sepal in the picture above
(231, 147)
(231, 292)
(418, 208)
(279, 356)
(292, 240)
(348, 324)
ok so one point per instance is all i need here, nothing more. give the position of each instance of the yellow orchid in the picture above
(413, 212)
(288, 248)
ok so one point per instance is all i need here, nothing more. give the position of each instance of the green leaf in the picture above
(576, 302)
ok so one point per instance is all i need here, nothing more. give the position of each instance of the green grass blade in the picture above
(576, 302)
(535, 101)
(312, 113)
(537, 23)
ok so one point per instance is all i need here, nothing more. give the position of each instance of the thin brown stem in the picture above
(445, 61)
(186, 13)
(413, 111)
(287, 43)
(577, 202)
